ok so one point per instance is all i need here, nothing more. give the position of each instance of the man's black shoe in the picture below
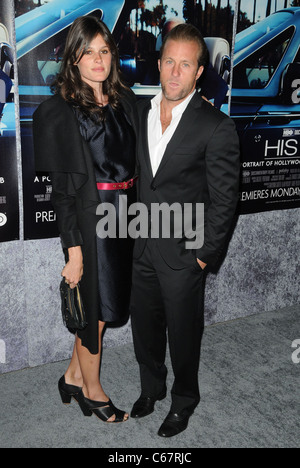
(173, 425)
(145, 406)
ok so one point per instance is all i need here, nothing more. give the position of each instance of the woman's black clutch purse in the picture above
(72, 307)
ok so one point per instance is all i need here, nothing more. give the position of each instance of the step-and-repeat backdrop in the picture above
(254, 76)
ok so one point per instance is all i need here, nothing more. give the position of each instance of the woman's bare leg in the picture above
(85, 369)
(73, 375)
(90, 369)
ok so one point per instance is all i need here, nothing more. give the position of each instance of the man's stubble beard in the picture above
(184, 93)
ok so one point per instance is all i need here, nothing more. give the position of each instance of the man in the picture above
(188, 154)
(211, 83)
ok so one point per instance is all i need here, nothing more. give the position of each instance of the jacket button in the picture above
(153, 188)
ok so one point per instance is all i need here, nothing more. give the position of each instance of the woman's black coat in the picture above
(61, 151)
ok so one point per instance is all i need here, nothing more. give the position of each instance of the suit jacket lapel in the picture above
(145, 142)
(188, 118)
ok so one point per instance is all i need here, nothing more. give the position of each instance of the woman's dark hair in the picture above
(69, 83)
(188, 33)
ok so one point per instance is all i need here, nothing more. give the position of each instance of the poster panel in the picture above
(9, 198)
(259, 88)
(266, 104)
(263, 101)
(41, 31)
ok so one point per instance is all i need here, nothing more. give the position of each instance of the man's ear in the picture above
(199, 73)
(159, 65)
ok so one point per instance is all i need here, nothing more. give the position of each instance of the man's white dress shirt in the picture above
(158, 141)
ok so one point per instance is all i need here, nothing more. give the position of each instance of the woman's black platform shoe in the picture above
(67, 392)
(103, 410)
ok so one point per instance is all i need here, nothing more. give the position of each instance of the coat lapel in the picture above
(128, 102)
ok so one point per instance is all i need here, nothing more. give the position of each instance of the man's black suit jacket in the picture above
(201, 165)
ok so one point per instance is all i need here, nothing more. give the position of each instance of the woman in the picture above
(84, 137)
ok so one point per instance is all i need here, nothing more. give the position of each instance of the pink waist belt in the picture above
(117, 185)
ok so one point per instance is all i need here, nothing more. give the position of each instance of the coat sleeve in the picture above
(65, 207)
(223, 173)
(58, 151)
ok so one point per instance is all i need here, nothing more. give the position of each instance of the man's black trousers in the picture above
(168, 307)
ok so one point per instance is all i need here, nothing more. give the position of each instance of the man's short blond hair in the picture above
(188, 33)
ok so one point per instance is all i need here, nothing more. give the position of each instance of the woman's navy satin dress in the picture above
(112, 146)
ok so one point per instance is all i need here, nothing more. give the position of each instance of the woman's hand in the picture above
(73, 270)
